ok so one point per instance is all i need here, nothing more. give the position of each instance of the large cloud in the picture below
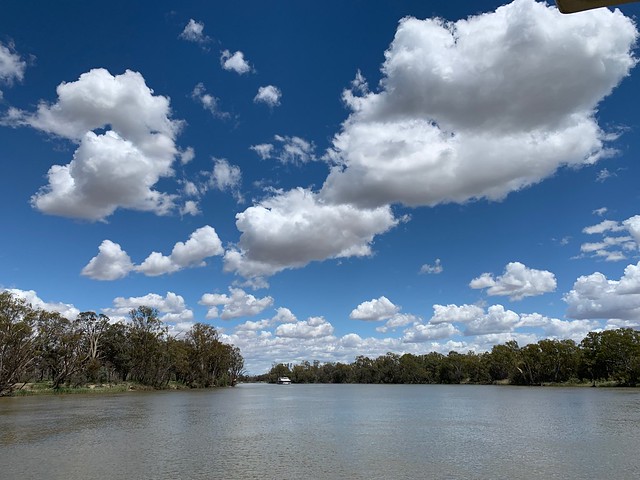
(294, 228)
(517, 282)
(595, 296)
(480, 107)
(114, 169)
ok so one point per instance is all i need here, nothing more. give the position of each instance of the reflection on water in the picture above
(325, 431)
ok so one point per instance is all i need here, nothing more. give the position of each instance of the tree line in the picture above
(41, 346)
(611, 356)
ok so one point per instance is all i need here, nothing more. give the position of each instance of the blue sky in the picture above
(324, 180)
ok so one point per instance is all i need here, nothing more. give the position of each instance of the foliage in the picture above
(46, 348)
(608, 356)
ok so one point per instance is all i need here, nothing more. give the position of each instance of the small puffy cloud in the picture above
(294, 228)
(434, 269)
(234, 62)
(313, 327)
(603, 226)
(496, 320)
(203, 243)
(455, 314)
(171, 307)
(111, 263)
(596, 297)
(190, 207)
(264, 150)
(187, 155)
(398, 320)
(517, 282)
(600, 211)
(295, 150)
(423, 333)
(287, 149)
(67, 310)
(194, 32)
(464, 110)
(237, 304)
(284, 315)
(253, 326)
(613, 248)
(12, 67)
(114, 169)
(225, 176)
(375, 310)
(269, 95)
(208, 101)
(604, 175)
(633, 227)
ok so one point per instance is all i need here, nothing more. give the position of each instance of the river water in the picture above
(259, 431)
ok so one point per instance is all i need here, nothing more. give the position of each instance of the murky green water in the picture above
(325, 431)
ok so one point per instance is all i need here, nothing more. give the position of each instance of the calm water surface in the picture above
(258, 431)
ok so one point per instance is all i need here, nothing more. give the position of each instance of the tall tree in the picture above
(17, 341)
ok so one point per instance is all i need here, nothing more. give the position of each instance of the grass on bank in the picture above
(46, 388)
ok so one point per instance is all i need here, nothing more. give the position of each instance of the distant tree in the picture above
(278, 370)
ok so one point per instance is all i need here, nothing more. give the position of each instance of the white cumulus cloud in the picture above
(12, 67)
(171, 307)
(517, 281)
(434, 269)
(67, 310)
(114, 169)
(111, 263)
(234, 62)
(455, 314)
(375, 310)
(269, 95)
(208, 101)
(596, 297)
(237, 304)
(465, 110)
(294, 228)
(313, 327)
(203, 243)
(194, 32)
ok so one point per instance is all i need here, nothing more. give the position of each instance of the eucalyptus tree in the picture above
(62, 353)
(17, 341)
(150, 360)
(92, 327)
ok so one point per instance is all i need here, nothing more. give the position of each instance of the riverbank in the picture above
(46, 388)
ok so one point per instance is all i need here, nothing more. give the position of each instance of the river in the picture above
(259, 431)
